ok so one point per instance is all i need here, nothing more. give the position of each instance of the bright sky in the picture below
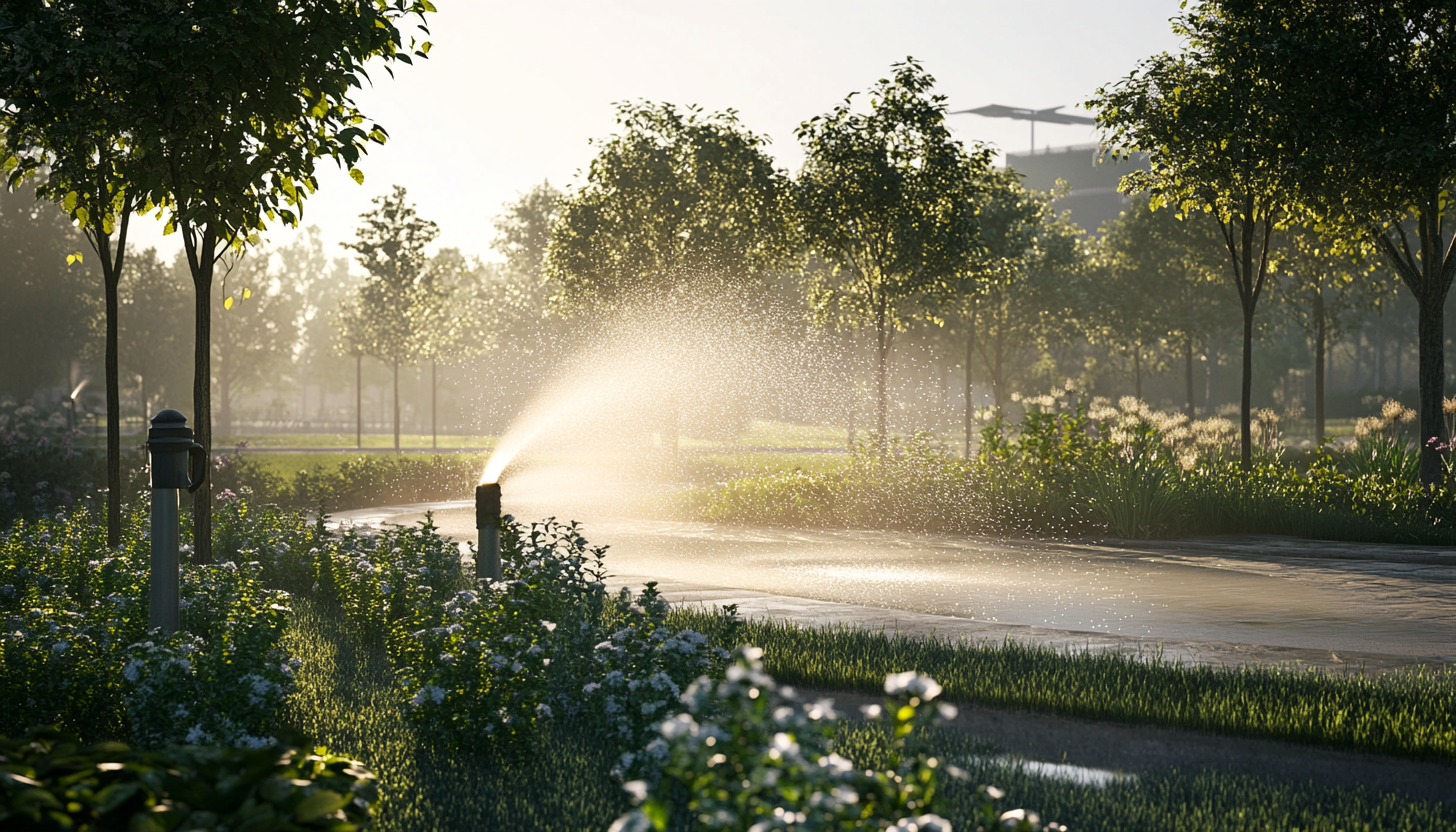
(513, 91)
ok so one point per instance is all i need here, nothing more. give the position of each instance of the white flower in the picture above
(550, 626)
(912, 683)
(1013, 817)
(516, 667)
(428, 693)
(59, 647)
(197, 736)
(924, 823)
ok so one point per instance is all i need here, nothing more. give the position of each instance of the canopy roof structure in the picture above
(1047, 116)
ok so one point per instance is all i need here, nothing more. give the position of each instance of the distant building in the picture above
(1092, 178)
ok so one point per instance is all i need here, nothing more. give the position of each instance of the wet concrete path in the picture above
(1214, 601)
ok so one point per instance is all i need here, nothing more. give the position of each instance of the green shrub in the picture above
(1094, 469)
(358, 482)
(747, 754)
(52, 781)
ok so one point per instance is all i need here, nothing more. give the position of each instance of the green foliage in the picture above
(52, 781)
(887, 198)
(359, 482)
(40, 467)
(747, 754)
(1203, 800)
(1095, 469)
(675, 197)
(1407, 714)
(77, 652)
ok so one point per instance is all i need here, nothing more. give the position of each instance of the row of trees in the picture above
(1331, 114)
(212, 114)
(893, 224)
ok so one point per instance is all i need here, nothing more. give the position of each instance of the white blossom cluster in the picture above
(749, 755)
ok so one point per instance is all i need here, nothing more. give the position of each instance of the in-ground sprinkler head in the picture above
(487, 523)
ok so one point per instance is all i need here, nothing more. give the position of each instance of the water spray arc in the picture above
(487, 523)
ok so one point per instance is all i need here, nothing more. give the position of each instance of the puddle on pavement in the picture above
(1097, 778)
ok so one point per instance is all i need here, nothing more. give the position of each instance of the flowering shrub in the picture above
(635, 677)
(75, 650)
(40, 467)
(221, 678)
(748, 755)
(1076, 467)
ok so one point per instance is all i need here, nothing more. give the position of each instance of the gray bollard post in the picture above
(487, 522)
(173, 457)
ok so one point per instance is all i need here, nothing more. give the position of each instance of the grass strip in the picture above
(345, 700)
(1409, 714)
(1196, 802)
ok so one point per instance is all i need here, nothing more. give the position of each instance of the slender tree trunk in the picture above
(882, 372)
(998, 377)
(1210, 361)
(201, 260)
(434, 429)
(111, 264)
(1431, 332)
(970, 388)
(1246, 393)
(146, 404)
(396, 406)
(1188, 377)
(113, 409)
(1137, 370)
(1319, 368)
(359, 401)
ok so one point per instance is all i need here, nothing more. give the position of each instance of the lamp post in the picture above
(177, 462)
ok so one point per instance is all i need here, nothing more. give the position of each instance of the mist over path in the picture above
(1236, 601)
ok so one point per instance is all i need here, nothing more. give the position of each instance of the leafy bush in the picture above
(76, 650)
(51, 781)
(40, 466)
(747, 754)
(490, 664)
(359, 482)
(1093, 468)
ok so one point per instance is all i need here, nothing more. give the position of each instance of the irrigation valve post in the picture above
(177, 462)
(487, 522)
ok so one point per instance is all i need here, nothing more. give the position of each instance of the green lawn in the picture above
(345, 700)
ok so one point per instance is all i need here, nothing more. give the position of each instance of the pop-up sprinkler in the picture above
(488, 522)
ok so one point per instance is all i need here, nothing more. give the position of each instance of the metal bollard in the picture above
(177, 462)
(487, 522)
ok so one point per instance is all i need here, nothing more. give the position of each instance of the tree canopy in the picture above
(887, 197)
(1215, 145)
(674, 198)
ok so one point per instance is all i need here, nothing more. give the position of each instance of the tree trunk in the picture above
(1246, 392)
(1137, 370)
(201, 258)
(1188, 409)
(111, 263)
(396, 407)
(1431, 332)
(146, 403)
(882, 371)
(434, 429)
(113, 409)
(359, 401)
(1210, 361)
(970, 388)
(1319, 368)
